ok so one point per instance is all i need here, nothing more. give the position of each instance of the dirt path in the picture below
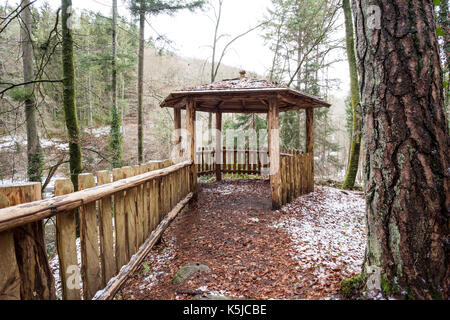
(250, 249)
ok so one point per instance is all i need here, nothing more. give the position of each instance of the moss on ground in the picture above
(352, 286)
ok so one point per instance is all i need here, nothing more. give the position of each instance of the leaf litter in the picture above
(301, 251)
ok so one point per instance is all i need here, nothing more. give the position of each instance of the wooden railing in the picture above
(237, 161)
(297, 174)
(115, 219)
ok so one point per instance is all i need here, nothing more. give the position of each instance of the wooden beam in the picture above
(31, 212)
(264, 102)
(218, 146)
(115, 283)
(180, 104)
(274, 153)
(219, 106)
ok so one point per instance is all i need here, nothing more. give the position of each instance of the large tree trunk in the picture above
(407, 143)
(70, 110)
(34, 151)
(443, 22)
(116, 136)
(141, 84)
(355, 148)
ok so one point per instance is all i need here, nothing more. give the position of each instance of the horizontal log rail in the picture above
(16, 216)
(115, 284)
(236, 161)
(106, 223)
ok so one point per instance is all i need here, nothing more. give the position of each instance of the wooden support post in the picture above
(219, 159)
(190, 127)
(310, 145)
(36, 279)
(177, 126)
(274, 153)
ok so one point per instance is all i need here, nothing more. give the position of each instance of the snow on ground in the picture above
(227, 189)
(217, 293)
(328, 231)
(8, 142)
(20, 139)
(98, 132)
(155, 267)
(54, 267)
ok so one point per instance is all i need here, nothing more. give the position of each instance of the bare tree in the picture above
(34, 150)
(216, 59)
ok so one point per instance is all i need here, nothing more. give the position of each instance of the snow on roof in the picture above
(237, 83)
(210, 95)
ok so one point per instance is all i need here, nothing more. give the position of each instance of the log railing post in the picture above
(10, 276)
(66, 237)
(224, 159)
(90, 253)
(36, 279)
(120, 223)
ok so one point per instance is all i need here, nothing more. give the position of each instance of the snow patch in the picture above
(328, 230)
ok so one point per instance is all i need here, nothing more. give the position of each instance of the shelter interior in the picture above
(245, 95)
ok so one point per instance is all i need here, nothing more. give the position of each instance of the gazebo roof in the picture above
(242, 95)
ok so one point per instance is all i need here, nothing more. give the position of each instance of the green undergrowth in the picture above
(353, 286)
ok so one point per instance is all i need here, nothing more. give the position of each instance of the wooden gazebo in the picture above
(245, 95)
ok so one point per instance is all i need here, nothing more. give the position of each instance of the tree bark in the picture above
(355, 148)
(141, 83)
(406, 143)
(116, 135)
(70, 109)
(34, 150)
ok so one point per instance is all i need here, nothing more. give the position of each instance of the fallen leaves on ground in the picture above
(299, 252)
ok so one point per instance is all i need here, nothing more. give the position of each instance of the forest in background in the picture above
(164, 72)
(80, 92)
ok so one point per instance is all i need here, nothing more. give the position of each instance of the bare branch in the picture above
(12, 86)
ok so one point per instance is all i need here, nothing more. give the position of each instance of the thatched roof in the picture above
(242, 95)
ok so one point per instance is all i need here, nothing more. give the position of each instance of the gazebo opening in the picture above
(291, 172)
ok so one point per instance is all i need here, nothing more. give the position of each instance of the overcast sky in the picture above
(192, 33)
